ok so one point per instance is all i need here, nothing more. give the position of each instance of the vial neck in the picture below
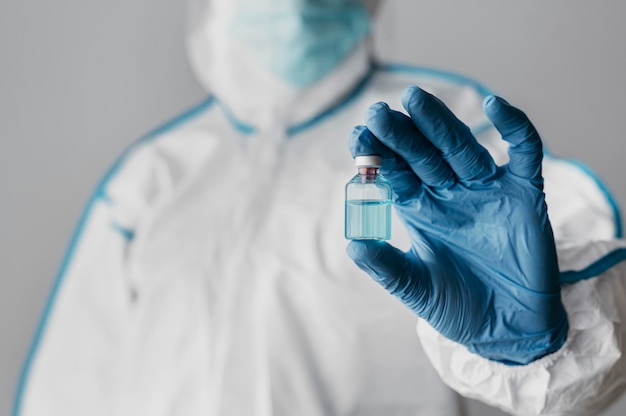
(368, 173)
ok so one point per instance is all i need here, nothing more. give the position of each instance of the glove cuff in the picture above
(525, 350)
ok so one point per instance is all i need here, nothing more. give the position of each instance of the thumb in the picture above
(393, 270)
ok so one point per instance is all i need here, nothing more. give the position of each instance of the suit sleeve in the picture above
(76, 365)
(583, 377)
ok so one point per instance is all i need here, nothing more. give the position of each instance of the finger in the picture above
(525, 151)
(362, 142)
(468, 159)
(404, 183)
(398, 132)
(393, 270)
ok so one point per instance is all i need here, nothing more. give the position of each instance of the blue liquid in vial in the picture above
(368, 220)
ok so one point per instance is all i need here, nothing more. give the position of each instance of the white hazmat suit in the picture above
(208, 275)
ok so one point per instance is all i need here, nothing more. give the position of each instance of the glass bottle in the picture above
(368, 202)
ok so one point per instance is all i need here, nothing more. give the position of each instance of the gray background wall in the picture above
(81, 80)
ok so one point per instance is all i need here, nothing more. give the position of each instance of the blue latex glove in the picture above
(482, 268)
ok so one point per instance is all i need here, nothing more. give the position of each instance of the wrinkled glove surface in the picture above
(482, 268)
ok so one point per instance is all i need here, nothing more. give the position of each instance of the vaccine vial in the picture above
(368, 202)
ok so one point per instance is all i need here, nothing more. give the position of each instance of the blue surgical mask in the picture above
(300, 41)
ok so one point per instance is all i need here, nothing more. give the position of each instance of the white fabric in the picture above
(582, 378)
(209, 276)
(229, 68)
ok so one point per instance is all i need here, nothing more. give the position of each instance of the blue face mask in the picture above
(300, 41)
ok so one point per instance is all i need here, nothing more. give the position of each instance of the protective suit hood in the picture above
(239, 68)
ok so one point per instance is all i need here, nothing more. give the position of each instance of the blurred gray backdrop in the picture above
(80, 80)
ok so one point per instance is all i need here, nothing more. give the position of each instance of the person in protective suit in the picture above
(208, 275)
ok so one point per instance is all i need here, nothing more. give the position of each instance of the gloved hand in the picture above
(482, 268)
